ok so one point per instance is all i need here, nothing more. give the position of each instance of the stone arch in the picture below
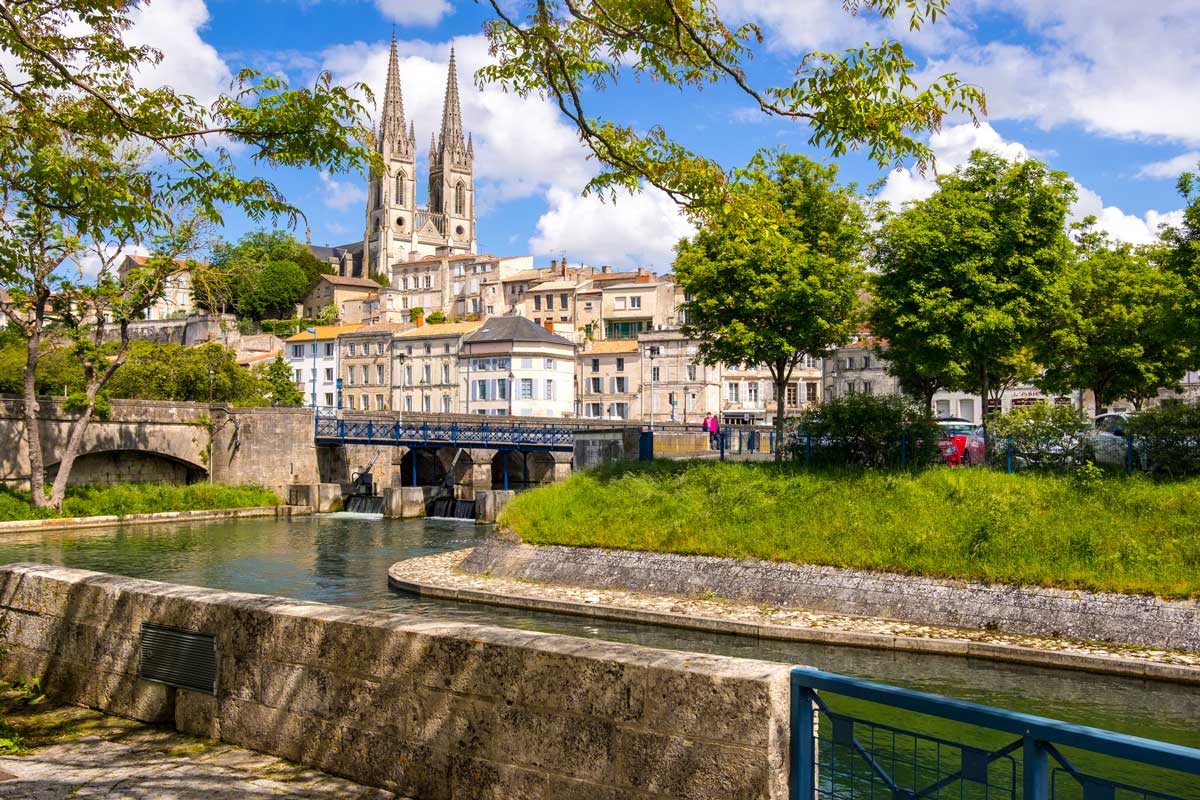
(426, 467)
(110, 467)
(460, 198)
(517, 479)
(400, 178)
(541, 468)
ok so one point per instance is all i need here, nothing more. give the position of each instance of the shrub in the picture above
(1044, 436)
(866, 430)
(1168, 438)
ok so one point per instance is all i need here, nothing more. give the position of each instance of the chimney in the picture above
(548, 324)
(553, 263)
(419, 319)
(642, 276)
(606, 269)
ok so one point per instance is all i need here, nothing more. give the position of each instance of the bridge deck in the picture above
(448, 434)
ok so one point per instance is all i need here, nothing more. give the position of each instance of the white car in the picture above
(1109, 439)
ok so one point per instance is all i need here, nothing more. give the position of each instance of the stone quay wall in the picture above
(1087, 616)
(427, 708)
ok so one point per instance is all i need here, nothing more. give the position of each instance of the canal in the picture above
(344, 560)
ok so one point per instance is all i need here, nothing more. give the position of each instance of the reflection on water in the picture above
(344, 560)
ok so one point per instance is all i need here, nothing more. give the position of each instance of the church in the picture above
(398, 230)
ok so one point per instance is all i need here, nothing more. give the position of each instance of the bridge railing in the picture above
(450, 433)
(838, 755)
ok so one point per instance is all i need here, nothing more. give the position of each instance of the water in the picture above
(344, 558)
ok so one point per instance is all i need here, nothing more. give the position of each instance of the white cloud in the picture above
(341, 194)
(1172, 167)
(1120, 225)
(635, 230)
(414, 12)
(1117, 68)
(189, 64)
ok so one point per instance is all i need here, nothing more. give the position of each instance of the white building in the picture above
(427, 368)
(517, 368)
(314, 359)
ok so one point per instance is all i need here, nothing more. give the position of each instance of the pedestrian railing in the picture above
(332, 430)
(848, 755)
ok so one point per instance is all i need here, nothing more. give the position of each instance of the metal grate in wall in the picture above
(180, 658)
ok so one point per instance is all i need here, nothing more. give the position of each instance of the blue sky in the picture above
(1107, 90)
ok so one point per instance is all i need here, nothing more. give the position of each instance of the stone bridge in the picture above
(170, 442)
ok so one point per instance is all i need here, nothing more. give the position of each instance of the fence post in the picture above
(721, 442)
(1010, 456)
(802, 764)
(1128, 453)
(903, 449)
(1035, 769)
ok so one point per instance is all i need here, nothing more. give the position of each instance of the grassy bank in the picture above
(138, 498)
(1132, 535)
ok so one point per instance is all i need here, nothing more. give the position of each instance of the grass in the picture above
(1119, 535)
(137, 498)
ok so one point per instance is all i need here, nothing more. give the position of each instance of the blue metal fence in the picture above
(332, 430)
(840, 756)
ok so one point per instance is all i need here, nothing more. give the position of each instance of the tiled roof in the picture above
(459, 257)
(442, 329)
(338, 280)
(381, 327)
(324, 332)
(613, 346)
(514, 329)
(553, 286)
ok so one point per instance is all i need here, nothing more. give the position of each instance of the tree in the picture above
(328, 315)
(568, 50)
(436, 318)
(93, 163)
(771, 286)
(187, 374)
(262, 276)
(1181, 255)
(1116, 332)
(967, 276)
(277, 376)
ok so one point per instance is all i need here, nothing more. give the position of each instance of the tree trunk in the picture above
(780, 388)
(928, 397)
(74, 441)
(33, 436)
(1096, 402)
(983, 408)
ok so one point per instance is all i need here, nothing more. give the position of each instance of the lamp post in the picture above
(650, 353)
(313, 331)
(511, 376)
(211, 374)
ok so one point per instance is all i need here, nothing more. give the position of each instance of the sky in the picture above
(1106, 90)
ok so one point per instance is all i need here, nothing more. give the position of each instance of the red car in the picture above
(961, 443)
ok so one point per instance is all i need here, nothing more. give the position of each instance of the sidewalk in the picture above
(78, 753)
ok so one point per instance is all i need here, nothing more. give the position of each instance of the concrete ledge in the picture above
(1080, 615)
(1013, 654)
(61, 523)
(422, 707)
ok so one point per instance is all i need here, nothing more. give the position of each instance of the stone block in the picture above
(329, 497)
(490, 502)
(414, 501)
(674, 766)
(197, 714)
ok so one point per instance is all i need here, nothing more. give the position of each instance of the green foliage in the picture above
(782, 282)
(173, 372)
(1167, 438)
(263, 275)
(1045, 435)
(1116, 331)
(281, 389)
(11, 741)
(414, 312)
(328, 315)
(282, 328)
(868, 431)
(137, 498)
(863, 98)
(436, 318)
(967, 277)
(1181, 253)
(1030, 529)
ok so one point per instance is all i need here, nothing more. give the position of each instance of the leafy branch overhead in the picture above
(861, 98)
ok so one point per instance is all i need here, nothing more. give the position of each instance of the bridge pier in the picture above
(479, 475)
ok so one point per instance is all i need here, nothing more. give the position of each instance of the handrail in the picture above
(1039, 734)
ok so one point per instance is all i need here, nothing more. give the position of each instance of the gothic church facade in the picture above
(397, 228)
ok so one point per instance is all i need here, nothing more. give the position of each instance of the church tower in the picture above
(391, 194)
(452, 172)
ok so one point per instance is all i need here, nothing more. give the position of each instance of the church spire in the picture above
(452, 127)
(391, 126)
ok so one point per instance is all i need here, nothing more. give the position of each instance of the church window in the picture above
(400, 189)
(399, 222)
(460, 199)
(459, 230)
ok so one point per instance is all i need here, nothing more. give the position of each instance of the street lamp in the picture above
(651, 351)
(211, 374)
(511, 377)
(313, 331)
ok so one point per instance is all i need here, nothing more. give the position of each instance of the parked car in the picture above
(962, 442)
(1108, 439)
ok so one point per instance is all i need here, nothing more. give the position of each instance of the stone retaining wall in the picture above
(427, 708)
(1087, 616)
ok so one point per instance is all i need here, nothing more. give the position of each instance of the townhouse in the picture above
(366, 366)
(313, 356)
(514, 367)
(428, 368)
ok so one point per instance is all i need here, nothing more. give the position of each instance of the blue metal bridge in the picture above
(452, 433)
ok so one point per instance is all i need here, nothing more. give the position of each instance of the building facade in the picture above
(366, 367)
(336, 291)
(610, 380)
(429, 370)
(314, 359)
(516, 368)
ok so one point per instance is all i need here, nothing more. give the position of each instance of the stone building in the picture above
(517, 368)
(366, 366)
(336, 290)
(676, 387)
(609, 380)
(428, 370)
(176, 300)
